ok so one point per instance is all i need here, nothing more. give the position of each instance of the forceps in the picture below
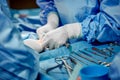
(63, 60)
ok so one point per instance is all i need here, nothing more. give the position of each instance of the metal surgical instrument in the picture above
(63, 60)
(86, 49)
(67, 66)
(90, 56)
(98, 61)
(99, 51)
(75, 58)
(86, 58)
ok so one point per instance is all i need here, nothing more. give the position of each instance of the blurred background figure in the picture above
(17, 61)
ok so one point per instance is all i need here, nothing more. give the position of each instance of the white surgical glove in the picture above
(52, 23)
(56, 37)
(34, 44)
(59, 36)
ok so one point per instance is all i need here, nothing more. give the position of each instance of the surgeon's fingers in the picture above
(54, 45)
(45, 42)
(51, 44)
(57, 45)
(41, 33)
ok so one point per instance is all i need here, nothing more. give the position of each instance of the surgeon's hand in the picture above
(34, 44)
(44, 29)
(52, 23)
(55, 38)
(59, 36)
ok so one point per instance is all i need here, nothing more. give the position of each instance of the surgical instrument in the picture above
(63, 59)
(56, 66)
(86, 58)
(99, 51)
(86, 49)
(108, 64)
(66, 66)
(111, 50)
(85, 53)
(59, 64)
(75, 58)
(107, 51)
(98, 61)
(114, 44)
(90, 56)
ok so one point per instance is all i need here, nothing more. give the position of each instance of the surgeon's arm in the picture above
(46, 7)
(104, 26)
(48, 16)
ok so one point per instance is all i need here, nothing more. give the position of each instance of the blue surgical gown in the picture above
(17, 61)
(100, 19)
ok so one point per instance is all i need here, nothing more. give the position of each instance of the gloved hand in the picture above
(56, 37)
(59, 36)
(34, 44)
(52, 23)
